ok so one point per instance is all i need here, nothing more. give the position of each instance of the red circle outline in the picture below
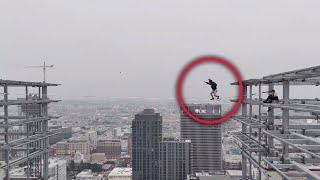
(208, 59)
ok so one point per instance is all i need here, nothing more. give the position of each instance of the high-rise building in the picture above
(175, 159)
(146, 137)
(206, 139)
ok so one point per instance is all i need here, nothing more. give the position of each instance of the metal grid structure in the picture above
(31, 148)
(300, 148)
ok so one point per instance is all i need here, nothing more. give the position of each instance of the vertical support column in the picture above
(244, 130)
(270, 123)
(285, 116)
(44, 130)
(6, 137)
(27, 129)
(250, 130)
(259, 133)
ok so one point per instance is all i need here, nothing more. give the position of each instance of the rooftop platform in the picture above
(204, 109)
(306, 76)
(25, 83)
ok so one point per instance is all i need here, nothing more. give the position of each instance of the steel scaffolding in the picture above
(29, 146)
(300, 148)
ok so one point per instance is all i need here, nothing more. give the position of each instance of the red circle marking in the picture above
(209, 59)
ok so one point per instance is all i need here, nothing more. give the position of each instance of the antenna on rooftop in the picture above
(44, 66)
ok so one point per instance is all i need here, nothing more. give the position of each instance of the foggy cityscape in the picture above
(91, 90)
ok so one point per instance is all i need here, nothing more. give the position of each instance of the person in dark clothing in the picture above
(272, 97)
(214, 89)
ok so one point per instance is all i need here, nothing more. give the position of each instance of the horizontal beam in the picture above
(19, 161)
(25, 117)
(26, 121)
(292, 117)
(30, 139)
(20, 102)
(291, 144)
(296, 174)
(25, 83)
(311, 175)
(281, 106)
(279, 75)
(276, 169)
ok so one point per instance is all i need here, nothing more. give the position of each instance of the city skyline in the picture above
(91, 43)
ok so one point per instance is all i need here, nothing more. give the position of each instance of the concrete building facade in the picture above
(70, 147)
(110, 147)
(206, 140)
(175, 159)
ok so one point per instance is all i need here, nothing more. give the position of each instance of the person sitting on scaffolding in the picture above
(271, 98)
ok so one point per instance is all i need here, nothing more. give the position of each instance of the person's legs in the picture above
(269, 99)
(212, 98)
(215, 93)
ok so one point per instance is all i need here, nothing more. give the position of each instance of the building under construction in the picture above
(29, 146)
(275, 140)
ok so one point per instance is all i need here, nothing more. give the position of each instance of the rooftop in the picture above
(25, 83)
(121, 172)
(204, 109)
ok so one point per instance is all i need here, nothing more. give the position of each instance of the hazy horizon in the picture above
(90, 43)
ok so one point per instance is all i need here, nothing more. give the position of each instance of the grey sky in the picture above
(90, 42)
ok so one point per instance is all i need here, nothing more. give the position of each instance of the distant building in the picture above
(70, 147)
(146, 137)
(88, 175)
(92, 138)
(116, 133)
(175, 159)
(129, 146)
(206, 139)
(57, 169)
(98, 157)
(66, 133)
(110, 147)
(232, 162)
(78, 157)
(234, 174)
(207, 176)
(120, 174)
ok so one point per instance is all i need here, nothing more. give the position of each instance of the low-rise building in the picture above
(70, 147)
(111, 148)
(120, 174)
(88, 175)
(98, 157)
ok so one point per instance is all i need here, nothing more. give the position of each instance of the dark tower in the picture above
(146, 137)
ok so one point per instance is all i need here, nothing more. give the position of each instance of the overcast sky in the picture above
(91, 42)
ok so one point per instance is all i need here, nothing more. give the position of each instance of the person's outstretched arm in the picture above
(207, 82)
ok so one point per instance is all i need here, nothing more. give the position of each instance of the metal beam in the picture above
(293, 145)
(276, 169)
(311, 175)
(21, 102)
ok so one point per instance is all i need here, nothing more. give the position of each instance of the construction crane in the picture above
(44, 66)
